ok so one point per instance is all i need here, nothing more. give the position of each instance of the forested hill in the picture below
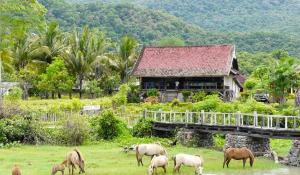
(149, 25)
(229, 15)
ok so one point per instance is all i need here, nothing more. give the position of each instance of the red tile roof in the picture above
(186, 61)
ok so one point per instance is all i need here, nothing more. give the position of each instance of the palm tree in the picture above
(123, 61)
(85, 50)
(6, 60)
(24, 51)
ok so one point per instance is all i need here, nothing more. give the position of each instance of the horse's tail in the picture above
(79, 154)
(251, 156)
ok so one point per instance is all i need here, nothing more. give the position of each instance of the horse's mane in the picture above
(79, 154)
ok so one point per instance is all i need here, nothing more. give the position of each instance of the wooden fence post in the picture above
(238, 118)
(255, 123)
(186, 116)
(203, 116)
(145, 113)
(286, 122)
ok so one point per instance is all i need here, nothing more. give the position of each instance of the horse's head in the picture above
(150, 170)
(81, 166)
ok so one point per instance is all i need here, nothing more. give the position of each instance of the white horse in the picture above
(148, 150)
(158, 161)
(188, 160)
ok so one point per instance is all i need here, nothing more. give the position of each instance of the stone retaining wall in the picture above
(293, 159)
(259, 146)
(194, 138)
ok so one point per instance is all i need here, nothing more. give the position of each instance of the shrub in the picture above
(186, 94)
(251, 105)
(16, 129)
(152, 92)
(175, 102)
(121, 97)
(210, 103)
(199, 96)
(14, 94)
(107, 126)
(152, 100)
(143, 128)
(75, 130)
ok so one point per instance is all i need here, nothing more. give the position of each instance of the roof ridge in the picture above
(208, 45)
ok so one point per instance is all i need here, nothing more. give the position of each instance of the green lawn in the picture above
(107, 159)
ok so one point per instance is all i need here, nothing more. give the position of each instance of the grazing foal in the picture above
(15, 170)
(60, 167)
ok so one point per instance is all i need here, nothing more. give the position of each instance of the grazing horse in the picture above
(158, 161)
(148, 150)
(15, 170)
(188, 160)
(60, 167)
(75, 158)
(238, 154)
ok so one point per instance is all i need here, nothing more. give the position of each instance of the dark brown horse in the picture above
(16, 170)
(238, 154)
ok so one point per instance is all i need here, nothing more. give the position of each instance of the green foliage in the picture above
(284, 77)
(250, 84)
(75, 130)
(251, 105)
(14, 94)
(107, 126)
(175, 102)
(121, 97)
(92, 88)
(186, 94)
(125, 58)
(199, 96)
(152, 92)
(85, 50)
(16, 129)
(170, 41)
(143, 128)
(56, 78)
(210, 103)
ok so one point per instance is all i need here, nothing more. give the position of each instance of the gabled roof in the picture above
(185, 61)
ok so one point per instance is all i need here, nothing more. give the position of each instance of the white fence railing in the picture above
(238, 119)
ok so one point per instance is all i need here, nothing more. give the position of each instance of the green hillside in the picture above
(149, 26)
(229, 15)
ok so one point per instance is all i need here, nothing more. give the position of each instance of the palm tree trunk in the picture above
(80, 87)
(59, 95)
(53, 95)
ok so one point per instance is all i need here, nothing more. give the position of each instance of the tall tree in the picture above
(85, 50)
(56, 79)
(284, 77)
(19, 17)
(124, 59)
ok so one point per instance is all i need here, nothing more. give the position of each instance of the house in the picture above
(173, 69)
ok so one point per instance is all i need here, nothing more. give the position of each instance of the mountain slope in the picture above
(148, 26)
(228, 15)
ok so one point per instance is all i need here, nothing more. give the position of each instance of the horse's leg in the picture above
(62, 172)
(228, 161)
(73, 166)
(225, 160)
(165, 170)
(244, 162)
(142, 161)
(176, 168)
(69, 169)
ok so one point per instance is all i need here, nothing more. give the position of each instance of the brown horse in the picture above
(60, 167)
(75, 158)
(238, 154)
(15, 170)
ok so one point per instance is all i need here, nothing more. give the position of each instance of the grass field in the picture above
(107, 159)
